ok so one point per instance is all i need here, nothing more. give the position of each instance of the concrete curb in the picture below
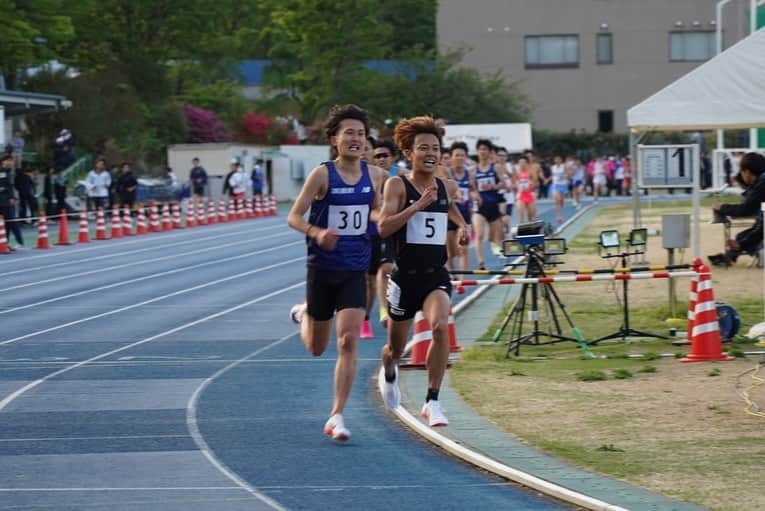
(490, 465)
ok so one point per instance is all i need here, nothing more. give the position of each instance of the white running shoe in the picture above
(390, 392)
(296, 312)
(335, 428)
(432, 411)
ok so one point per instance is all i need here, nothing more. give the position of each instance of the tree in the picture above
(32, 32)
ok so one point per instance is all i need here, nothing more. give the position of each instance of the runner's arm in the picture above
(315, 187)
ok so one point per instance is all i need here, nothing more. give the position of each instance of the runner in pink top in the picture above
(525, 182)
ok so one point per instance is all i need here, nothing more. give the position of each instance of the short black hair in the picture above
(485, 142)
(754, 163)
(6, 157)
(458, 145)
(389, 145)
(339, 113)
(371, 141)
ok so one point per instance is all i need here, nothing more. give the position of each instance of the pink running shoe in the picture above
(366, 330)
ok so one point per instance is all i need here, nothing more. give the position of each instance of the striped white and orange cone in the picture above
(258, 207)
(191, 216)
(420, 343)
(222, 217)
(116, 223)
(4, 249)
(212, 217)
(166, 223)
(248, 208)
(83, 235)
(63, 229)
(706, 345)
(101, 225)
(127, 222)
(454, 346)
(177, 224)
(42, 233)
(231, 210)
(240, 213)
(140, 224)
(201, 213)
(154, 225)
(272, 209)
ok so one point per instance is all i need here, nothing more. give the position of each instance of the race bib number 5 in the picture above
(426, 228)
(348, 220)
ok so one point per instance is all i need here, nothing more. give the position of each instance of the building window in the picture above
(552, 51)
(691, 46)
(606, 121)
(604, 48)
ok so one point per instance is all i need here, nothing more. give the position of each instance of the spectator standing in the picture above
(27, 188)
(619, 176)
(17, 149)
(8, 199)
(257, 176)
(171, 179)
(48, 192)
(237, 182)
(233, 166)
(198, 178)
(98, 184)
(127, 185)
(59, 191)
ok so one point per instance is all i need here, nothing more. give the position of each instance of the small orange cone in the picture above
(140, 224)
(454, 346)
(231, 210)
(272, 211)
(42, 233)
(240, 215)
(63, 230)
(154, 225)
(83, 235)
(420, 342)
(211, 214)
(706, 345)
(166, 223)
(127, 222)
(191, 220)
(116, 223)
(222, 211)
(3, 238)
(201, 213)
(248, 208)
(177, 224)
(100, 225)
(258, 208)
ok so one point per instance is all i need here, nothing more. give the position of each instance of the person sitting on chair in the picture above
(752, 175)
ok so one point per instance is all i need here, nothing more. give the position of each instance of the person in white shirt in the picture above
(238, 182)
(97, 185)
(171, 179)
(576, 169)
(560, 176)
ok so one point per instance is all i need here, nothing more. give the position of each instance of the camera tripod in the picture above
(552, 304)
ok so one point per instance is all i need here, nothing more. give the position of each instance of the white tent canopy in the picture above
(727, 92)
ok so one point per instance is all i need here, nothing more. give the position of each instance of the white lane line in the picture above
(131, 488)
(98, 245)
(66, 438)
(196, 435)
(153, 275)
(143, 261)
(152, 300)
(174, 363)
(217, 464)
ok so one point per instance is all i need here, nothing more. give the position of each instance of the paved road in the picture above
(162, 373)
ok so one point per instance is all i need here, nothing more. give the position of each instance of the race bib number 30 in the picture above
(348, 220)
(426, 228)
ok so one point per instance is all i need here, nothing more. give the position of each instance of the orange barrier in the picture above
(63, 229)
(42, 233)
(4, 249)
(706, 345)
(83, 236)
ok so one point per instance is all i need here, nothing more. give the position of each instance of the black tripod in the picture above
(551, 300)
(624, 330)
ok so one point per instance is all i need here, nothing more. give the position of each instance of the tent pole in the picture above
(634, 140)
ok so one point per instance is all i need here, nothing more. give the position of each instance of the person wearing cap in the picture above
(198, 178)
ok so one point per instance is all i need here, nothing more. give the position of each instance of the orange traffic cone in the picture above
(239, 209)
(258, 207)
(272, 210)
(140, 224)
(191, 220)
(692, 298)
(231, 210)
(248, 211)
(100, 225)
(127, 222)
(83, 235)
(63, 230)
(166, 223)
(201, 214)
(3, 238)
(222, 211)
(706, 345)
(454, 346)
(420, 342)
(154, 225)
(177, 216)
(211, 214)
(116, 223)
(42, 233)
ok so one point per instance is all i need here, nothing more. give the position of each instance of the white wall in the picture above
(215, 159)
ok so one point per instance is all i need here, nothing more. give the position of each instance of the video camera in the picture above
(532, 237)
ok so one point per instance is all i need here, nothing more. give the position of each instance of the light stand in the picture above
(637, 241)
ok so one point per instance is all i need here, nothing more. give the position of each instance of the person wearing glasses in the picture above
(385, 157)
